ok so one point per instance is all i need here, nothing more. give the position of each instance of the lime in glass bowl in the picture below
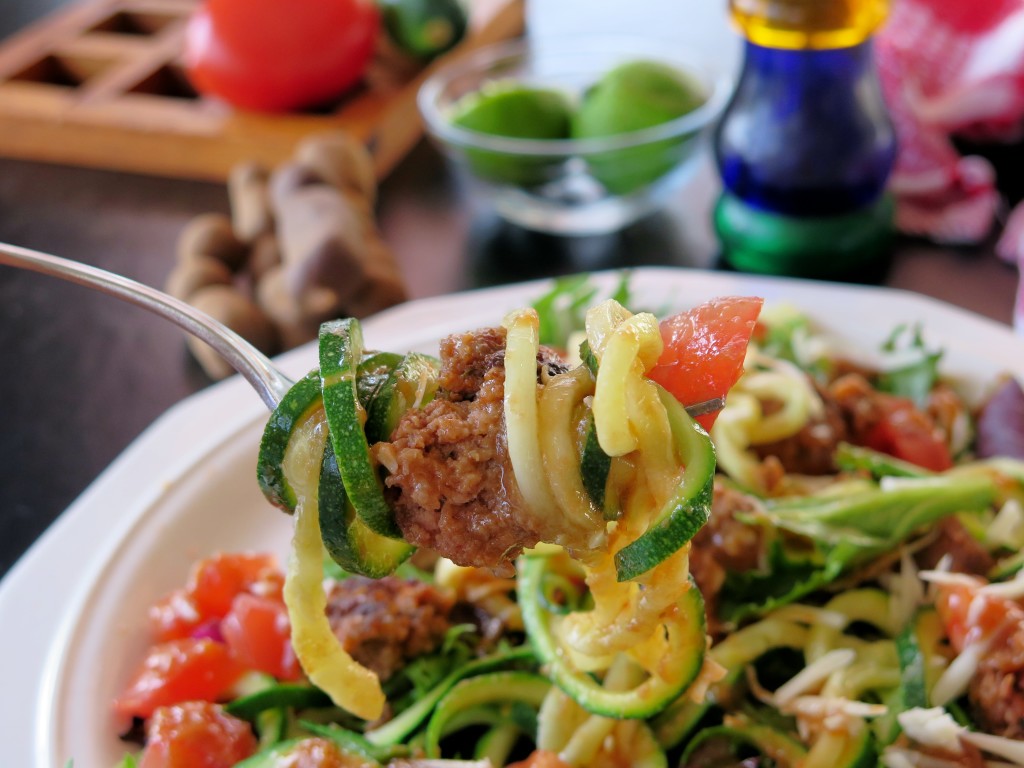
(578, 138)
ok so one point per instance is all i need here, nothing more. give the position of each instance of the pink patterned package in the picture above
(953, 67)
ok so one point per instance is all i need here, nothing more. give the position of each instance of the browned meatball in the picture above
(466, 358)
(811, 451)
(454, 488)
(968, 556)
(997, 690)
(382, 623)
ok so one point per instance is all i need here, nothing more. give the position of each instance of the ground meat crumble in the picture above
(449, 474)
(382, 623)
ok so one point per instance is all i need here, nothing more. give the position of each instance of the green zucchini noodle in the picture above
(633, 622)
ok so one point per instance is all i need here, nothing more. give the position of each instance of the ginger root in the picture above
(301, 247)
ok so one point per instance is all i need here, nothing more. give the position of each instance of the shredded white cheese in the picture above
(932, 727)
(957, 677)
(1011, 590)
(948, 578)
(812, 676)
(935, 727)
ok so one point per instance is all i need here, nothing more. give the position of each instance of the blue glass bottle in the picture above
(805, 147)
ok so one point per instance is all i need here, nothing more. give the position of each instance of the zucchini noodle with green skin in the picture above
(646, 621)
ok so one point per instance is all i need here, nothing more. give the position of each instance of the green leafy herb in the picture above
(787, 578)
(915, 377)
(420, 675)
(857, 458)
(562, 310)
(845, 528)
(788, 336)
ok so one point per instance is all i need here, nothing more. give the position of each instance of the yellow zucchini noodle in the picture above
(635, 624)
(744, 421)
(348, 683)
(639, 617)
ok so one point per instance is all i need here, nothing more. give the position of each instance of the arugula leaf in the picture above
(562, 310)
(916, 378)
(851, 458)
(424, 672)
(786, 579)
(842, 529)
(788, 335)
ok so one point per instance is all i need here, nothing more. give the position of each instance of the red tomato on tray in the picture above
(279, 55)
(704, 350)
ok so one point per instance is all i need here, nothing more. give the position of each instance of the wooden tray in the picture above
(101, 84)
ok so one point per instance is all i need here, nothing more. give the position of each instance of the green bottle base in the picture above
(825, 247)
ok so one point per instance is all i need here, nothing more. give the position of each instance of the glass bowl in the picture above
(580, 186)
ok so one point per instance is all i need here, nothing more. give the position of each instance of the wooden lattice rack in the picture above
(101, 83)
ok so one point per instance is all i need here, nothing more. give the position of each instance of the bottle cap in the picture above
(814, 24)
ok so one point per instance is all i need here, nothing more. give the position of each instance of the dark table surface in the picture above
(84, 374)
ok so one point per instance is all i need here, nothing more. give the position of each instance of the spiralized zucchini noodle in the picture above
(668, 605)
(635, 621)
(746, 421)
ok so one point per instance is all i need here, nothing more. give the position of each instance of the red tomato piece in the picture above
(908, 434)
(970, 617)
(279, 55)
(180, 670)
(704, 350)
(196, 734)
(258, 635)
(174, 617)
(214, 582)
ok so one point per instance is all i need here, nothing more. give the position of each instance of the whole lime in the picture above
(631, 97)
(514, 110)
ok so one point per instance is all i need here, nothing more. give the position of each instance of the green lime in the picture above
(511, 109)
(631, 97)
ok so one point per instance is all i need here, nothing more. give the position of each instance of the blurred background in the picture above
(111, 182)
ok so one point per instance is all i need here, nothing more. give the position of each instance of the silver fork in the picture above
(255, 367)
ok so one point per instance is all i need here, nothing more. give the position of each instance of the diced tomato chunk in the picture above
(179, 670)
(196, 734)
(214, 582)
(704, 350)
(908, 434)
(970, 617)
(258, 634)
(174, 617)
(321, 753)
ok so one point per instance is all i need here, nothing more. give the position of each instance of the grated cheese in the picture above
(811, 676)
(957, 677)
(935, 727)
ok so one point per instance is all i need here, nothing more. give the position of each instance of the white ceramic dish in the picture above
(73, 609)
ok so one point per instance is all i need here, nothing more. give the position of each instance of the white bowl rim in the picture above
(718, 87)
